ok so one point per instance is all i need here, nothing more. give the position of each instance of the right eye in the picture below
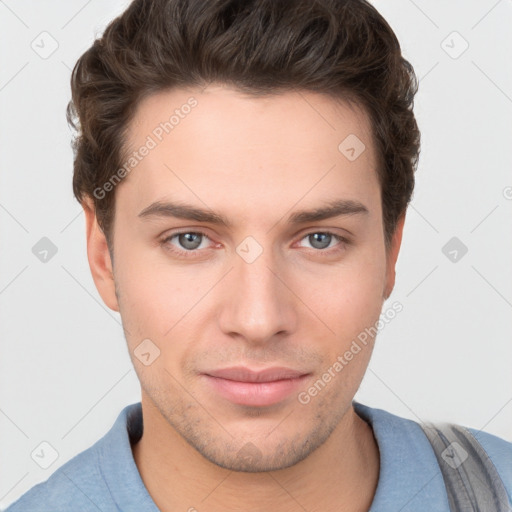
(188, 242)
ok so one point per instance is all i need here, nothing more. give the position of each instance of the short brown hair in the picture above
(343, 48)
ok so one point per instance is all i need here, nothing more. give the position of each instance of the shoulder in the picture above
(76, 485)
(90, 479)
(408, 461)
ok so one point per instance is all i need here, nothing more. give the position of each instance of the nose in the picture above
(257, 301)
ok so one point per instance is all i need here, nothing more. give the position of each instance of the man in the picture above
(245, 170)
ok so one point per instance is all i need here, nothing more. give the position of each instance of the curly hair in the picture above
(342, 48)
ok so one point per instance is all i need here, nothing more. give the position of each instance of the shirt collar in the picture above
(409, 475)
(118, 465)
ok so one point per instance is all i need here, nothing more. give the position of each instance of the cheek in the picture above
(152, 295)
(353, 286)
(351, 309)
(349, 302)
(157, 304)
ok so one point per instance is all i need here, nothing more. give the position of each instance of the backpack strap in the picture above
(472, 482)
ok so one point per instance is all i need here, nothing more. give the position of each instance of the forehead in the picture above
(220, 144)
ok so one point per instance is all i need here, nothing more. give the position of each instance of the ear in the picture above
(99, 257)
(392, 255)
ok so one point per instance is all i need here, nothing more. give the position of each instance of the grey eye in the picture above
(190, 241)
(320, 240)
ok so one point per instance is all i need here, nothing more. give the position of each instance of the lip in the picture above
(258, 388)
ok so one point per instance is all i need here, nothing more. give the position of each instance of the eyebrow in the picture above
(185, 211)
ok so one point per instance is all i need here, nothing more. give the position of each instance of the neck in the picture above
(341, 475)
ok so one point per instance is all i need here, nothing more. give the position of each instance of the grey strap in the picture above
(471, 479)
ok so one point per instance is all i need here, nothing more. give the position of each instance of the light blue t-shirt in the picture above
(105, 477)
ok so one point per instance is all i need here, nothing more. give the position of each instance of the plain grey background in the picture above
(65, 372)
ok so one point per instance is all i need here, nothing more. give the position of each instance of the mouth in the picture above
(244, 386)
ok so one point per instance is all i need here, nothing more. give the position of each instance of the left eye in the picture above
(322, 239)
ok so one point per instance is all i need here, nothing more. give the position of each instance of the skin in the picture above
(255, 161)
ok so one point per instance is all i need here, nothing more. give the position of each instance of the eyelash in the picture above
(192, 253)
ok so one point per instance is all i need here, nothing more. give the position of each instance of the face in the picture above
(249, 282)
